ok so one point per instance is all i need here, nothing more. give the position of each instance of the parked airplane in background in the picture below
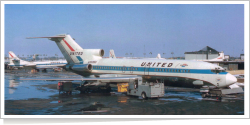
(87, 62)
(220, 58)
(158, 56)
(17, 62)
(112, 54)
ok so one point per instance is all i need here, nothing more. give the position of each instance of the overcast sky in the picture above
(161, 28)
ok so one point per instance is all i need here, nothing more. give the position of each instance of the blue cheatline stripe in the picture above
(80, 59)
(52, 64)
(167, 70)
(16, 65)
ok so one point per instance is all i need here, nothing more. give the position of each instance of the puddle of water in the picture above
(171, 99)
(240, 113)
(19, 90)
(54, 102)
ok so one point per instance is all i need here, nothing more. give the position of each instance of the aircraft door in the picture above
(146, 70)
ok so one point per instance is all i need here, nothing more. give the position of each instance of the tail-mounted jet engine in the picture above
(95, 52)
(80, 67)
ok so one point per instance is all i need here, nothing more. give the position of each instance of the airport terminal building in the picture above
(209, 53)
(203, 54)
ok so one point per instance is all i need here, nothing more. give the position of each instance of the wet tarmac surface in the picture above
(42, 98)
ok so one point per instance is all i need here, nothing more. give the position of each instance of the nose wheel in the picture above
(143, 95)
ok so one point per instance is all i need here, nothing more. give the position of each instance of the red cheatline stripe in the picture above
(68, 45)
(11, 55)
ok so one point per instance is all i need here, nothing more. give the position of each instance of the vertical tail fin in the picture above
(112, 54)
(67, 46)
(15, 61)
(70, 49)
(72, 52)
(158, 56)
(221, 57)
(12, 55)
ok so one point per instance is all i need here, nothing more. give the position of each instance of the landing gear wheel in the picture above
(143, 95)
(87, 90)
(203, 95)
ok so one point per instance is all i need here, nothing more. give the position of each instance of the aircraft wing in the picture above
(103, 79)
(48, 67)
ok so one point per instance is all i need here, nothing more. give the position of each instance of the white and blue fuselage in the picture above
(87, 62)
(158, 69)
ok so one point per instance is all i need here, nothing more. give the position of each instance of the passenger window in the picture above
(189, 71)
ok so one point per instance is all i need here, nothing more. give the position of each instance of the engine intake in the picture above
(95, 52)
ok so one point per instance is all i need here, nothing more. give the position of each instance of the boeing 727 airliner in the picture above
(17, 62)
(88, 62)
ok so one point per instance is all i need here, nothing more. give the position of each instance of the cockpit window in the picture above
(218, 70)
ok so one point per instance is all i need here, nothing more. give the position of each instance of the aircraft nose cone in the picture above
(230, 79)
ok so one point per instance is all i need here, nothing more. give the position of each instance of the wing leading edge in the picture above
(104, 79)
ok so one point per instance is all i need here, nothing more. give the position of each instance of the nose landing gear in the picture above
(218, 92)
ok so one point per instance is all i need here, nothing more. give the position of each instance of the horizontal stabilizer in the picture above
(46, 37)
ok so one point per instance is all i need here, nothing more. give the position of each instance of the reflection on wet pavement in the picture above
(42, 98)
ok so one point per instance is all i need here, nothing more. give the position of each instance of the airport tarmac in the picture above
(42, 98)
